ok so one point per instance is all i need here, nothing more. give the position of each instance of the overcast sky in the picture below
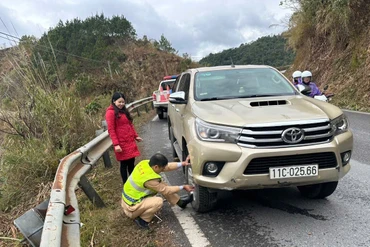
(196, 27)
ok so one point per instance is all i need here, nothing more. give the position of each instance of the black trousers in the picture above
(126, 168)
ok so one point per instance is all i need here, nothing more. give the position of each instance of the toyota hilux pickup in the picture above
(247, 127)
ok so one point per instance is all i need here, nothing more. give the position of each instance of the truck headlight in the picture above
(216, 133)
(340, 125)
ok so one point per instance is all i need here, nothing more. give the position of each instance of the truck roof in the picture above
(201, 69)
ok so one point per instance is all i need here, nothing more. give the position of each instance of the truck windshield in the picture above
(167, 85)
(241, 83)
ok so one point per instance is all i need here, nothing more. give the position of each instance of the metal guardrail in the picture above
(62, 229)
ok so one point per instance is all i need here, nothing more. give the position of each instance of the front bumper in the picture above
(237, 158)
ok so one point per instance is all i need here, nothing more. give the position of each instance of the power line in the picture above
(73, 55)
(7, 38)
(10, 35)
(59, 51)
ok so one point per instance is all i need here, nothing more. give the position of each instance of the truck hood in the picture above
(240, 112)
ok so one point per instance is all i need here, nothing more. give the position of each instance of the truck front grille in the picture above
(272, 136)
(262, 165)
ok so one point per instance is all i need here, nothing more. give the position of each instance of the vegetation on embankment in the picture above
(332, 39)
(54, 92)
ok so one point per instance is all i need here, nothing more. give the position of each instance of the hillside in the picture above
(54, 92)
(332, 39)
(270, 50)
(99, 55)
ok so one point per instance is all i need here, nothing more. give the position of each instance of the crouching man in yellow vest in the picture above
(138, 195)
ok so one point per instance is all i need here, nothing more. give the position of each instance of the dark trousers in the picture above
(126, 168)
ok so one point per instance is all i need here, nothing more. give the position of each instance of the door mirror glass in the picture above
(178, 98)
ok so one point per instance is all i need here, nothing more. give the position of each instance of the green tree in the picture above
(85, 44)
(268, 50)
(165, 45)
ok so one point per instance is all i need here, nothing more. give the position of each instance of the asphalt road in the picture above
(276, 217)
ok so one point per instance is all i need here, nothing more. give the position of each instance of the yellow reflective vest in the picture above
(133, 190)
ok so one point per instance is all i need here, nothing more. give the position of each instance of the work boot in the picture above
(185, 201)
(142, 223)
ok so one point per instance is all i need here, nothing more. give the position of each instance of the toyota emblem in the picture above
(292, 135)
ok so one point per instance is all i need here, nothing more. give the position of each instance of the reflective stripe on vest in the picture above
(144, 190)
(133, 190)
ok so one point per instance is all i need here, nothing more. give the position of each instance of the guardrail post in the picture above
(106, 160)
(106, 157)
(146, 108)
(31, 223)
(138, 112)
(90, 192)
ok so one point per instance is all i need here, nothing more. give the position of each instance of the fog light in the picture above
(211, 168)
(346, 156)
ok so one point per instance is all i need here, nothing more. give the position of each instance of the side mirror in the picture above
(178, 98)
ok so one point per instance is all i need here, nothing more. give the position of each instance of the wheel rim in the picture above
(190, 181)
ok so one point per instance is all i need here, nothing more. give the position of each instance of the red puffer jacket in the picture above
(122, 132)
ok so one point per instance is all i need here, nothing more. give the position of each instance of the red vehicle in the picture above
(160, 97)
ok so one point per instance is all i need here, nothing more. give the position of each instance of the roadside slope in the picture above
(332, 39)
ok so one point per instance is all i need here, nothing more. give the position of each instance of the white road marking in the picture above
(358, 112)
(155, 118)
(189, 225)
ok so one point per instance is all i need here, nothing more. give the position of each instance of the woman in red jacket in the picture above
(123, 134)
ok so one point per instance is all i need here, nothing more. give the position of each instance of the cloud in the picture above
(196, 27)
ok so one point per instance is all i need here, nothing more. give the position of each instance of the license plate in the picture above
(294, 171)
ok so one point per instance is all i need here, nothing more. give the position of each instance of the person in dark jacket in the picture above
(123, 134)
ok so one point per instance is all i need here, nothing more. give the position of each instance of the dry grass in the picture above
(9, 234)
(44, 121)
(107, 226)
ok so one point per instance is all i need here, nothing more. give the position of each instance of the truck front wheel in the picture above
(204, 200)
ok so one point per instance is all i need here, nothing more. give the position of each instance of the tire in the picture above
(204, 201)
(172, 139)
(318, 191)
(169, 128)
(185, 154)
(160, 114)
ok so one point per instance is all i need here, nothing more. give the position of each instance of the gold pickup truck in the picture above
(248, 127)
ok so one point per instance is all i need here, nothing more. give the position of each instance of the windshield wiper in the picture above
(219, 98)
(260, 95)
(239, 97)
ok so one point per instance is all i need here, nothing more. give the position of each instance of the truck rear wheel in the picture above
(172, 138)
(160, 113)
(318, 191)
